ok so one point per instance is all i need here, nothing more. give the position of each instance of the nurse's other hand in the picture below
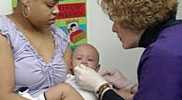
(114, 77)
(88, 78)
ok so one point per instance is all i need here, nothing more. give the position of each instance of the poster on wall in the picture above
(72, 20)
(14, 3)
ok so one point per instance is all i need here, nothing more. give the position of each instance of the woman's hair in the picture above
(139, 14)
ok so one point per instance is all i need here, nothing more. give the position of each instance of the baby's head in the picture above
(87, 55)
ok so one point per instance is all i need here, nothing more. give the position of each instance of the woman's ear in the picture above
(25, 2)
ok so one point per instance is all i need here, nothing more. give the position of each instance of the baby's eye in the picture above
(90, 60)
(79, 58)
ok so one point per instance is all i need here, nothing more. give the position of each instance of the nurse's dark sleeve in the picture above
(160, 75)
(111, 95)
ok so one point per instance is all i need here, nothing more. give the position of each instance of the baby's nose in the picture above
(84, 62)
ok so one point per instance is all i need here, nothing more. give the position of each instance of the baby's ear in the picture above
(97, 67)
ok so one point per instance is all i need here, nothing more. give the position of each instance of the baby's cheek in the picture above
(75, 63)
(92, 66)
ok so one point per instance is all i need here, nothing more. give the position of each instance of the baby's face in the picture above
(85, 55)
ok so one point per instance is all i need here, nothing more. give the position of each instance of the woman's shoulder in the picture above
(168, 41)
(3, 21)
(167, 47)
(59, 32)
(5, 24)
(61, 37)
(2, 17)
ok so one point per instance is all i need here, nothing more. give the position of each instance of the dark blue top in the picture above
(160, 67)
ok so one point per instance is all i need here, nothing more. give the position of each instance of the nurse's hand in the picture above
(88, 79)
(114, 77)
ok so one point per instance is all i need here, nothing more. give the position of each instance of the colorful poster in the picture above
(72, 20)
(72, 1)
(14, 3)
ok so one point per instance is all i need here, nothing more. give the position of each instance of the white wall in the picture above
(112, 54)
(179, 15)
(5, 6)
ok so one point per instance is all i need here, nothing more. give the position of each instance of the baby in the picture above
(87, 55)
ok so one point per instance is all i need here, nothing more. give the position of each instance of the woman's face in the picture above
(128, 37)
(42, 13)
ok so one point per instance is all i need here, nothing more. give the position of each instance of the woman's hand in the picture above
(121, 84)
(62, 91)
(126, 94)
(114, 77)
(88, 79)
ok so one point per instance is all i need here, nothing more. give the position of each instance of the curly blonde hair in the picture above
(139, 14)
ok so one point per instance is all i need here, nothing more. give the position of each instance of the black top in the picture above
(150, 35)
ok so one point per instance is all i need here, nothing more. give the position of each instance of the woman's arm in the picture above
(111, 95)
(7, 72)
(62, 91)
(68, 57)
(125, 93)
